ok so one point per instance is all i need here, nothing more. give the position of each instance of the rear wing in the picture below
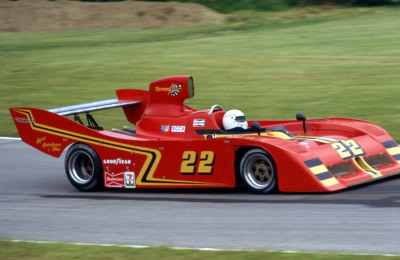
(75, 110)
(93, 106)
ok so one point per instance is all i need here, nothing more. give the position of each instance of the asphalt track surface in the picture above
(38, 203)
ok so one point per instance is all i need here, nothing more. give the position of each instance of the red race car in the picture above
(176, 146)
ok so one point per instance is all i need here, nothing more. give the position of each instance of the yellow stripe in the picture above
(277, 134)
(98, 141)
(330, 182)
(319, 169)
(365, 167)
(227, 135)
(271, 134)
(394, 150)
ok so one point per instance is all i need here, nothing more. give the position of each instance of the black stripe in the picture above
(221, 132)
(323, 176)
(210, 132)
(313, 162)
(396, 157)
(389, 144)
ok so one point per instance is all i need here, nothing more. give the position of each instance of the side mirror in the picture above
(256, 126)
(301, 117)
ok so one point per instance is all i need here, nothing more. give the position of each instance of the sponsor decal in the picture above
(54, 147)
(158, 89)
(199, 122)
(165, 128)
(117, 161)
(24, 120)
(114, 180)
(178, 129)
(120, 180)
(173, 90)
(50, 146)
(130, 180)
(40, 140)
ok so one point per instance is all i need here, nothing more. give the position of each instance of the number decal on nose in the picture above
(348, 149)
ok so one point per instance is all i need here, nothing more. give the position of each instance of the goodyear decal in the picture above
(146, 174)
(321, 172)
(393, 149)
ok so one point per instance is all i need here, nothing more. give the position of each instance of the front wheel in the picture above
(258, 171)
(83, 168)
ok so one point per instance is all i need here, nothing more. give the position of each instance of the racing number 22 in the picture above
(189, 161)
(348, 149)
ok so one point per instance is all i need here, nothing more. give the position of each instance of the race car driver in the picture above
(234, 120)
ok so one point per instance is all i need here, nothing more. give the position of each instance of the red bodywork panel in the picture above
(176, 146)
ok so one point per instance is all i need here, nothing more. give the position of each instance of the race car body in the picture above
(176, 146)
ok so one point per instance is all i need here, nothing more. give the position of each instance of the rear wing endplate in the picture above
(93, 106)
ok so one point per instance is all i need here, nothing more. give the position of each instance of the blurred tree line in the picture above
(227, 6)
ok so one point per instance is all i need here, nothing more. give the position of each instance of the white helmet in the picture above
(234, 118)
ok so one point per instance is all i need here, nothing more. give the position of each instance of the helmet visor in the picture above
(240, 119)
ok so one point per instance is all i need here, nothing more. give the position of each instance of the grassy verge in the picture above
(34, 251)
(323, 63)
(227, 6)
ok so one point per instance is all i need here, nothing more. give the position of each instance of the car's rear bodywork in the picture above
(176, 146)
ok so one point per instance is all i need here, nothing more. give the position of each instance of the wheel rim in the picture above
(81, 167)
(259, 171)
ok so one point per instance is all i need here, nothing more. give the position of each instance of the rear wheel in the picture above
(83, 168)
(258, 171)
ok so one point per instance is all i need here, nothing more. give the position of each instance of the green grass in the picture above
(321, 62)
(34, 251)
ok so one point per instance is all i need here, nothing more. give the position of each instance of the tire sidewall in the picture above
(272, 187)
(96, 182)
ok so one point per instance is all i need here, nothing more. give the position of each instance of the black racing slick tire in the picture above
(258, 171)
(83, 168)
